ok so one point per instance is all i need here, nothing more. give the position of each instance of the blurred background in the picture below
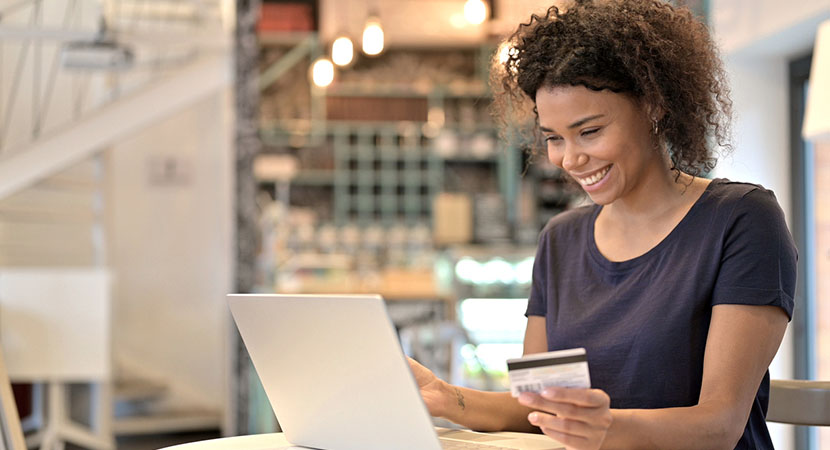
(156, 155)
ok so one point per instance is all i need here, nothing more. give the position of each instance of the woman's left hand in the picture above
(578, 418)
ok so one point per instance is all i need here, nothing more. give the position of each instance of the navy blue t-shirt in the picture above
(644, 321)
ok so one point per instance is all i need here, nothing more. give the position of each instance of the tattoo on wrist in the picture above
(460, 397)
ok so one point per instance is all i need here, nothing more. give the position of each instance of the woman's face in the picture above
(600, 138)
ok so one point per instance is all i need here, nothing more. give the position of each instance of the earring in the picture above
(654, 127)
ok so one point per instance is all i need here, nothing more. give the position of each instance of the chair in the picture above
(11, 434)
(799, 402)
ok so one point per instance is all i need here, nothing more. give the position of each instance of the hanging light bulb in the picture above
(342, 51)
(322, 72)
(372, 36)
(475, 11)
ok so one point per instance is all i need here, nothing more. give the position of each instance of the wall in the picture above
(170, 236)
(766, 26)
(758, 38)
(822, 222)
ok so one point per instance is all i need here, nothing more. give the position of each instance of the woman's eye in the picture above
(590, 131)
(551, 139)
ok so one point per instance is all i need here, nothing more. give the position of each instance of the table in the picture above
(276, 441)
(268, 441)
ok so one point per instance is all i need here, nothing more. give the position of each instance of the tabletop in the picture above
(276, 441)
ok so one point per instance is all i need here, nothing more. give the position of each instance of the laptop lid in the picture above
(334, 372)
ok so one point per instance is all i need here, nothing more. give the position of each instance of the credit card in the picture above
(563, 368)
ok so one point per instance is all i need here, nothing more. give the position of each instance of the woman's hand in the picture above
(578, 418)
(433, 389)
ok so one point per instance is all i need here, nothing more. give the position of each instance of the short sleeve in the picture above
(758, 262)
(537, 303)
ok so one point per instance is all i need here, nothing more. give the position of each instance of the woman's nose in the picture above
(573, 158)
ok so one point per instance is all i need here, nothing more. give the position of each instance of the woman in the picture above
(679, 287)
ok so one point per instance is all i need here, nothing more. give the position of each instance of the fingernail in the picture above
(532, 417)
(549, 393)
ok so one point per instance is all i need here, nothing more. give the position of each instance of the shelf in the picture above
(283, 38)
(392, 285)
(288, 128)
(311, 177)
(408, 90)
(471, 159)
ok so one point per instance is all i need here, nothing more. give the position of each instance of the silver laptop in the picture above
(337, 379)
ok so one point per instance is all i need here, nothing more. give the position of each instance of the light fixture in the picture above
(475, 11)
(372, 36)
(322, 72)
(817, 113)
(342, 51)
(92, 55)
(103, 52)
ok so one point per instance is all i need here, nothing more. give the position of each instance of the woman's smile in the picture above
(592, 179)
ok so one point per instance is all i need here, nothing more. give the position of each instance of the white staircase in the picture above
(141, 407)
(97, 130)
(56, 126)
(55, 221)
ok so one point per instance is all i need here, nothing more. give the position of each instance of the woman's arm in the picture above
(476, 410)
(741, 343)
(479, 410)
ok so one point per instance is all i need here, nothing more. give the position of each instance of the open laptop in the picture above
(337, 379)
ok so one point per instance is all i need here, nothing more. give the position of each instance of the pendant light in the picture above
(342, 51)
(322, 72)
(475, 11)
(372, 36)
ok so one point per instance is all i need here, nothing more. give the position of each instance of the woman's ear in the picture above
(653, 112)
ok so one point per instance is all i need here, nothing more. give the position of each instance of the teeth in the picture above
(593, 179)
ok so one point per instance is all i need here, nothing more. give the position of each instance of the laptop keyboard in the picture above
(448, 444)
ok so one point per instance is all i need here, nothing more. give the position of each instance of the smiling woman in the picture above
(679, 287)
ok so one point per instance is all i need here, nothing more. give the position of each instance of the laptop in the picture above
(337, 378)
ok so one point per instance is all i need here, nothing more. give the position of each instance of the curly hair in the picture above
(658, 54)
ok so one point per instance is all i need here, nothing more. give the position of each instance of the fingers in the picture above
(422, 374)
(559, 424)
(579, 404)
(571, 441)
(589, 398)
(578, 418)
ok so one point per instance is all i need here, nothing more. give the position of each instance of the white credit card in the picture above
(562, 368)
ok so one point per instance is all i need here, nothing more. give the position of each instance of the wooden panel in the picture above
(286, 16)
(376, 109)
